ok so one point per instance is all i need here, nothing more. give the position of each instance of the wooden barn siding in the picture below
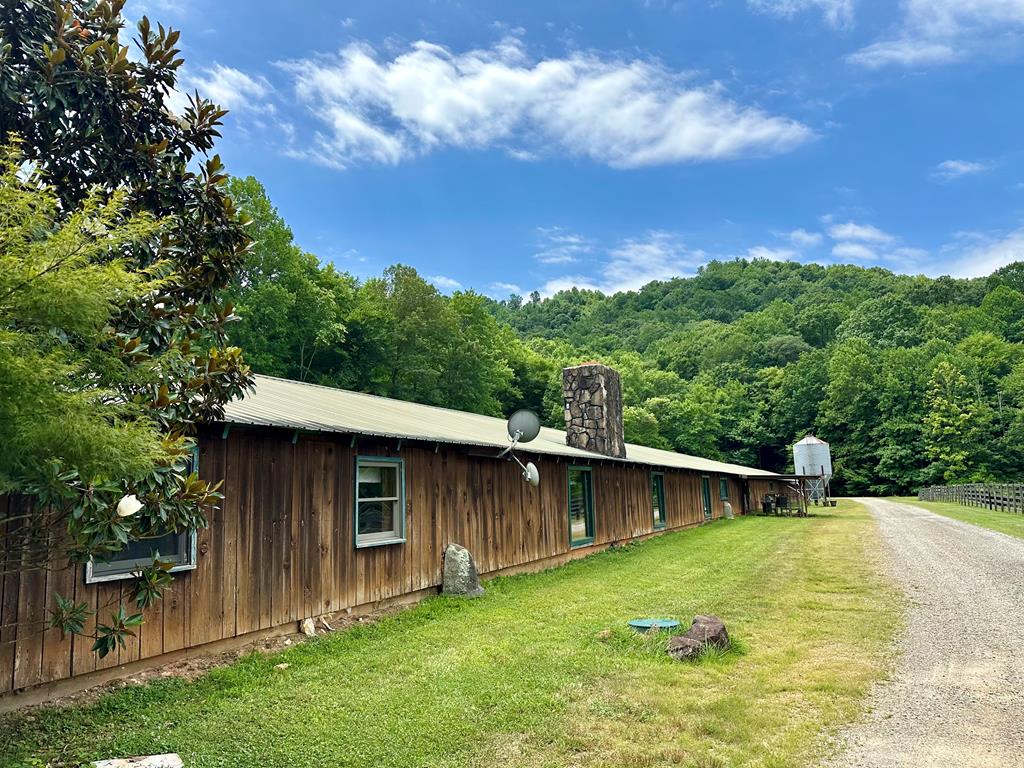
(759, 488)
(281, 547)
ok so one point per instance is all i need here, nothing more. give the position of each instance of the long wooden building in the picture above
(341, 501)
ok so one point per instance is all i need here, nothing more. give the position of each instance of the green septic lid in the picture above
(645, 625)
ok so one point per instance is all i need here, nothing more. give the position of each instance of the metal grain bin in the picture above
(812, 456)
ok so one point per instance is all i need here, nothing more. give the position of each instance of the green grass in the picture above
(542, 671)
(1010, 523)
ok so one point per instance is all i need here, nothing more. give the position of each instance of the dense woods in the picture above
(913, 380)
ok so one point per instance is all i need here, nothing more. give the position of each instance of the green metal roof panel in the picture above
(314, 408)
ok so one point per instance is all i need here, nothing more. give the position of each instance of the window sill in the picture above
(381, 543)
(659, 526)
(580, 543)
(91, 579)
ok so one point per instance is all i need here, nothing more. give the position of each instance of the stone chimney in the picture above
(592, 394)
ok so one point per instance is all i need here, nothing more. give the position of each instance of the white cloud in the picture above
(942, 31)
(904, 53)
(559, 246)
(988, 254)
(804, 239)
(634, 262)
(954, 169)
(863, 232)
(568, 282)
(505, 289)
(838, 13)
(348, 22)
(657, 256)
(868, 244)
(855, 251)
(772, 254)
(230, 88)
(225, 86)
(444, 283)
(624, 113)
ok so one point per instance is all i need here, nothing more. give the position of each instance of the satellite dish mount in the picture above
(523, 426)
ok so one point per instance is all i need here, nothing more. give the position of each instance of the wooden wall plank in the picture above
(280, 542)
(249, 537)
(32, 604)
(9, 593)
(205, 581)
(56, 663)
(228, 539)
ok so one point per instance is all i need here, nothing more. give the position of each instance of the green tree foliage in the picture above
(93, 121)
(59, 292)
(294, 308)
(953, 427)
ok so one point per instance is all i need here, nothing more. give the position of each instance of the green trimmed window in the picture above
(658, 498)
(380, 501)
(176, 548)
(723, 489)
(581, 506)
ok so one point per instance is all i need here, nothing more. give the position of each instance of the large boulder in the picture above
(705, 631)
(460, 576)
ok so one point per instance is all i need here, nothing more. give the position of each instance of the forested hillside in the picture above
(913, 380)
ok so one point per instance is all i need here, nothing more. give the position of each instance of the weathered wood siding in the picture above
(281, 546)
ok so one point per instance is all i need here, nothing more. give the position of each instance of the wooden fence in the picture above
(1007, 497)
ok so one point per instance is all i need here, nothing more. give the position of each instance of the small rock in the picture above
(460, 575)
(682, 648)
(287, 641)
(705, 631)
(282, 666)
(308, 627)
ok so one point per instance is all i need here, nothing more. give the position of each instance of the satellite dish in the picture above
(523, 426)
(531, 475)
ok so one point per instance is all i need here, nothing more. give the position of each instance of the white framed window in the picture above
(379, 501)
(179, 549)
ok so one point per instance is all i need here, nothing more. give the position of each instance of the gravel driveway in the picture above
(957, 693)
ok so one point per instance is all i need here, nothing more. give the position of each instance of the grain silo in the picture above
(812, 457)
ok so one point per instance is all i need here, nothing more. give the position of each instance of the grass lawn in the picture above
(528, 676)
(1011, 523)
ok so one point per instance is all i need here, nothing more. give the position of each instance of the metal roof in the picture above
(313, 408)
(811, 440)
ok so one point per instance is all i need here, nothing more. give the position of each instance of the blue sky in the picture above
(524, 146)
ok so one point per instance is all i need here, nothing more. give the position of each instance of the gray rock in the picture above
(460, 575)
(683, 648)
(710, 630)
(308, 627)
(705, 631)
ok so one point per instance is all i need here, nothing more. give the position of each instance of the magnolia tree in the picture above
(116, 244)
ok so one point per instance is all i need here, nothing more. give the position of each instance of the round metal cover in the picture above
(526, 423)
(645, 625)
